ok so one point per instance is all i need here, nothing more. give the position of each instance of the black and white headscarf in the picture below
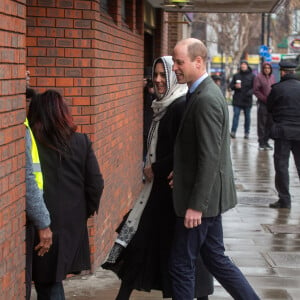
(173, 91)
(160, 105)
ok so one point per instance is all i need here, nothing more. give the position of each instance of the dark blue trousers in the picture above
(207, 239)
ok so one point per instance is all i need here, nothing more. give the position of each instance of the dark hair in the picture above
(197, 48)
(51, 121)
(30, 93)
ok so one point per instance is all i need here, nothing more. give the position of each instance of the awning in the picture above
(219, 6)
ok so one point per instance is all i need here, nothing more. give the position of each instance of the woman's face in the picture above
(159, 78)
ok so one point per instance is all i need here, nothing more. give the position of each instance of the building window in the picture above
(123, 11)
(104, 5)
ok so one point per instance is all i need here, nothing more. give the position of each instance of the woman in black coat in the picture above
(141, 252)
(73, 186)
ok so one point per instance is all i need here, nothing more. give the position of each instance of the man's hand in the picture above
(192, 218)
(148, 173)
(237, 85)
(170, 178)
(45, 243)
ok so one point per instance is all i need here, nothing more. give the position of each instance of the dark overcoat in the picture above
(243, 97)
(73, 186)
(284, 105)
(203, 175)
(145, 260)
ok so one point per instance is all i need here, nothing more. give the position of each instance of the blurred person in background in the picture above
(262, 88)
(242, 85)
(284, 105)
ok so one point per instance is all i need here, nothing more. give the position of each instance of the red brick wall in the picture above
(12, 158)
(174, 27)
(161, 34)
(96, 61)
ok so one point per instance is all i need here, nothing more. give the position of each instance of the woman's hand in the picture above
(148, 173)
(45, 243)
(170, 178)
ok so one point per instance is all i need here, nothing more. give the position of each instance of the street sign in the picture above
(268, 57)
(263, 50)
(295, 44)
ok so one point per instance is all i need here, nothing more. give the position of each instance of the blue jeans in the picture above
(207, 239)
(236, 116)
(49, 290)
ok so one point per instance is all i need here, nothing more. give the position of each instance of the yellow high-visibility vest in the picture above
(37, 171)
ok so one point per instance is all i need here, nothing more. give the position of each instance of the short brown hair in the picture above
(197, 48)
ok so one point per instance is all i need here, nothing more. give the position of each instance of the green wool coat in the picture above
(203, 176)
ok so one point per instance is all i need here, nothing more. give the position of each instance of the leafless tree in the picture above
(281, 25)
(233, 33)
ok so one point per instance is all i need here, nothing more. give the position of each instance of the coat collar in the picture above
(197, 82)
(193, 98)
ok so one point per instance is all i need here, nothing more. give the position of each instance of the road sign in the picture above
(268, 57)
(263, 50)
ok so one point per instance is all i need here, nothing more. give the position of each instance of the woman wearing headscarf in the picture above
(141, 251)
(72, 185)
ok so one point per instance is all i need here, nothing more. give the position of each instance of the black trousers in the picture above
(50, 291)
(29, 249)
(264, 123)
(281, 163)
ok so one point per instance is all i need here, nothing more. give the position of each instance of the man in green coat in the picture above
(203, 184)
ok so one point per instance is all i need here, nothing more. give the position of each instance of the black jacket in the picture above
(72, 189)
(243, 97)
(284, 105)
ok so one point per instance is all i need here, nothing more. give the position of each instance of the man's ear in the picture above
(199, 61)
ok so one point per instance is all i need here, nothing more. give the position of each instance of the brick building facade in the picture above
(93, 53)
(12, 158)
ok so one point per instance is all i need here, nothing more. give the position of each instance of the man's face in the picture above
(282, 73)
(244, 67)
(184, 68)
(266, 69)
(159, 79)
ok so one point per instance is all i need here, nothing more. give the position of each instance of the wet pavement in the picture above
(263, 242)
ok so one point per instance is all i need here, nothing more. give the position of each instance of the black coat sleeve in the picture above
(164, 164)
(94, 182)
(270, 101)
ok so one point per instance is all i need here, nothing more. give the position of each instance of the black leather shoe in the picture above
(268, 147)
(278, 204)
